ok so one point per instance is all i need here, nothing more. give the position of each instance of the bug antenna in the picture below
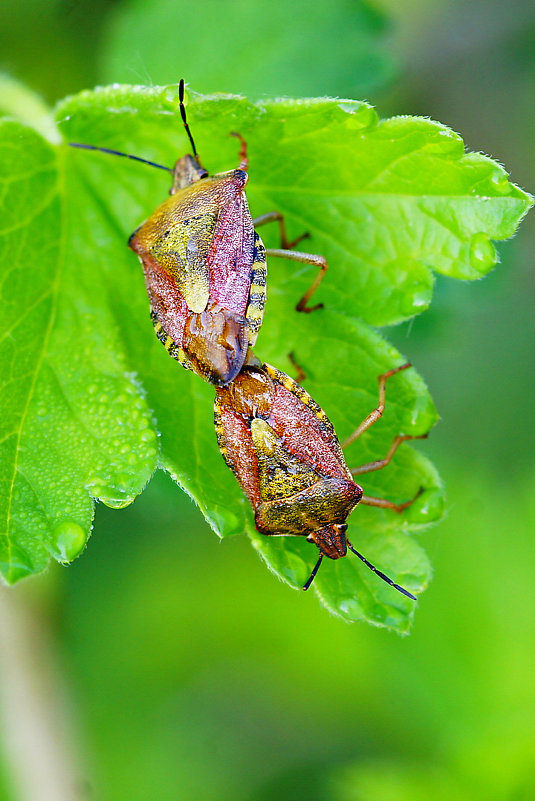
(313, 574)
(118, 153)
(184, 119)
(378, 572)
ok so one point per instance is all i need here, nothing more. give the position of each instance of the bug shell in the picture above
(285, 454)
(200, 256)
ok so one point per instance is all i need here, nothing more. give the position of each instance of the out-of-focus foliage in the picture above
(342, 45)
(5, 793)
(51, 44)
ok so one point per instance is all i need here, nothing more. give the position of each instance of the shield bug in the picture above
(205, 265)
(283, 450)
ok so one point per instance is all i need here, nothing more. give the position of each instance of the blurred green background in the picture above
(175, 667)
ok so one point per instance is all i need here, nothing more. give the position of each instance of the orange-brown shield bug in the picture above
(284, 452)
(205, 265)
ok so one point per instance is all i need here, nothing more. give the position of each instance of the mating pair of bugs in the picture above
(205, 272)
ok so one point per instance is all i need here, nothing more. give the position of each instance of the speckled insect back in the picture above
(201, 256)
(283, 450)
(205, 265)
(205, 271)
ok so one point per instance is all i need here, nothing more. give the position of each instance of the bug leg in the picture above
(369, 467)
(301, 375)
(382, 503)
(304, 258)
(244, 160)
(377, 412)
(276, 216)
(287, 251)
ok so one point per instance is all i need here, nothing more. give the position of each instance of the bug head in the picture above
(331, 540)
(186, 171)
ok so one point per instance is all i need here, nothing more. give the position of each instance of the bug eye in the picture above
(342, 527)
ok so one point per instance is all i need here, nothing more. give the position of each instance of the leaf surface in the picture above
(74, 422)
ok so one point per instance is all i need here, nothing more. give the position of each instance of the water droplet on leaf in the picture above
(482, 253)
(500, 182)
(428, 508)
(69, 540)
(417, 299)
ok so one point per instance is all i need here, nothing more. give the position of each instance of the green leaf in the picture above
(86, 385)
(74, 422)
(387, 203)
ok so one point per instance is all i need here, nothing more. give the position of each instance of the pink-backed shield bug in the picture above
(205, 265)
(285, 454)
